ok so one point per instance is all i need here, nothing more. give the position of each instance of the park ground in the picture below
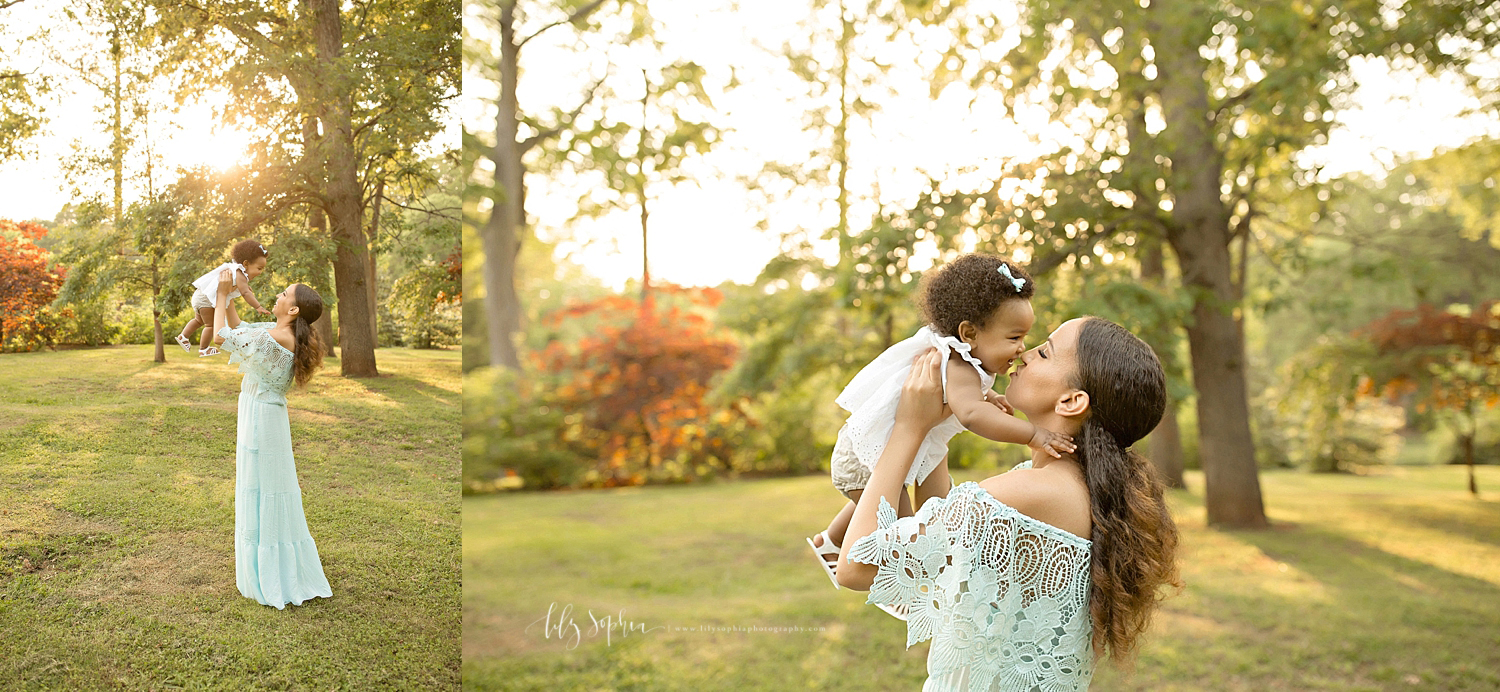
(1385, 581)
(117, 526)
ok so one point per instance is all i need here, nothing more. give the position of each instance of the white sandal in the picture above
(828, 556)
(207, 352)
(184, 343)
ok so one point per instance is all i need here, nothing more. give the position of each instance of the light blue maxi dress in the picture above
(275, 559)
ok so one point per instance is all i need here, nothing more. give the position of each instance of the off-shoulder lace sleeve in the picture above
(257, 353)
(1002, 596)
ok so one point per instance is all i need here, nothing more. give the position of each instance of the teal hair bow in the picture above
(1018, 283)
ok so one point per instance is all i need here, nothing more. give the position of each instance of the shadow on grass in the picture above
(1336, 613)
(1475, 520)
(408, 391)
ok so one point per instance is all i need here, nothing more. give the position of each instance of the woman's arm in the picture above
(224, 312)
(921, 409)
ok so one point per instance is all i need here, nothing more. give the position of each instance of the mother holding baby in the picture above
(1023, 579)
(275, 559)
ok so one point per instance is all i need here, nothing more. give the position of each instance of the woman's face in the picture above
(1045, 373)
(285, 301)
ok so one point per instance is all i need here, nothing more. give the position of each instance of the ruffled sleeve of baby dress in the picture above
(1002, 596)
(252, 347)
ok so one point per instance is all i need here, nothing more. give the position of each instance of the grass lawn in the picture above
(1380, 582)
(117, 526)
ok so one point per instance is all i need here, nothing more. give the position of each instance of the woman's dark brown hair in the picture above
(1134, 549)
(309, 355)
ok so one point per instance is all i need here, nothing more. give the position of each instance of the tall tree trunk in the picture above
(841, 158)
(1200, 239)
(318, 222)
(117, 125)
(375, 204)
(1166, 439)
(344, 204)
(501, 234)
(1467, 441)
(641, 153)
(161, 341)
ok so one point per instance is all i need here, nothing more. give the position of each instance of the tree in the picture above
(499, 57)
(28, 284)
(1183, 114)
(840, 63)
(1449, 359)
(640, 381)
(122, 62)
(633, 156)
(19, 116)
(119, 61)
(133, 254)
(354, 86)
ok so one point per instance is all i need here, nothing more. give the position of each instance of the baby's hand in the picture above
(262, 310)
(999, 401)
(1054, 443)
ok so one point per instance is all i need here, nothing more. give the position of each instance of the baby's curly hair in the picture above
(970, 288)
(247, 251)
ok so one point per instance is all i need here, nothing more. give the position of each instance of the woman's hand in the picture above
(226, 282)
(921, 407)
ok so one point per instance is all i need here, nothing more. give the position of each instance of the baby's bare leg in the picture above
(840, 524)
(206, 318)
(191, 327)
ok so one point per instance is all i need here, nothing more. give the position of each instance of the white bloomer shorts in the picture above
(202, 300)
(848, 473)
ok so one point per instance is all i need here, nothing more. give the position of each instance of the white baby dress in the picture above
(871, 399)
(208, 284)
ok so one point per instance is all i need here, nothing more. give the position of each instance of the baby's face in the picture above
(1003, 337)
(255, 267)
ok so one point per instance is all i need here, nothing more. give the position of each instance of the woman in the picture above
(275, 559)
(1021, 581)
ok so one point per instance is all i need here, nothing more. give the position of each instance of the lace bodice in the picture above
(266, 363)
(1002, 596)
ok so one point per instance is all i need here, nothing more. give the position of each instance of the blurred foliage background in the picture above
(573, 383)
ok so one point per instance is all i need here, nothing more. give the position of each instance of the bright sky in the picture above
(34, 188)
(705, 231)
(190, 136)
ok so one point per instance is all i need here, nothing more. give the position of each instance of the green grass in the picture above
(117, 526)
(1380, 582)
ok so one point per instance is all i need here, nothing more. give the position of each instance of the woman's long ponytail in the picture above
(1134, 538)
(309, 355)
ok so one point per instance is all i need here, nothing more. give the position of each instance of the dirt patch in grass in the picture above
(42, 538)
(171, 565)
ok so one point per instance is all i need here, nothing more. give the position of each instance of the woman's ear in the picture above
(1074, 403)
(293, 310)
